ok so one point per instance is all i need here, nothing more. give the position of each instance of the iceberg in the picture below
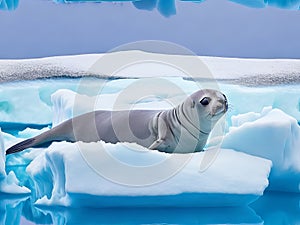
(274, 135)
(18, 102)
(168, 8)
(284, 4)
(22, 102)
(243, 99)
(9, 4)
(118, 175)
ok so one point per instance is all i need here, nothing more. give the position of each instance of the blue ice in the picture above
(168, 7)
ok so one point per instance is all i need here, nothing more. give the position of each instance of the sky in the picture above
(39, 28)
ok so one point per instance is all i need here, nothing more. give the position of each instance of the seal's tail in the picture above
(45, 139)
(42, 140)
(21, 146)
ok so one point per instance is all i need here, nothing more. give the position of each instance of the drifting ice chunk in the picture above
(63, 106)
(8, 182)
(101, 174)
(19, 104)
(244, 100)
(272, 135)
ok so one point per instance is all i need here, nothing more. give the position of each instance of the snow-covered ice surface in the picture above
(248, 71)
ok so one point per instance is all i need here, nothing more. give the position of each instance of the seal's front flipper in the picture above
(156, 144)
(21, 146)
(161, 132)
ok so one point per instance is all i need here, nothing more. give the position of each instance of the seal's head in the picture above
(208, 106)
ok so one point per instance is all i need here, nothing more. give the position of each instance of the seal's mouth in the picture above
(226, 103)
(223, 111)
(219, 111)
(217, 114)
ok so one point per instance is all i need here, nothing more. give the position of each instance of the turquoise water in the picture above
(273, 208)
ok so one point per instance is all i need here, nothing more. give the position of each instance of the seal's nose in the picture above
(226, 102)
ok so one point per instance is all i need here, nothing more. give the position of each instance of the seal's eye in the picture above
(205, 101)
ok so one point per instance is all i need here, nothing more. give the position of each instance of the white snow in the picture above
(79, 65)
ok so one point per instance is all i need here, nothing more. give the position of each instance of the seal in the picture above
(183, 129)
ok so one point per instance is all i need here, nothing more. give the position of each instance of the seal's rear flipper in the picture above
(21, 146)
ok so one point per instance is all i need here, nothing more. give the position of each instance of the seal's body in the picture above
(183, 129)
